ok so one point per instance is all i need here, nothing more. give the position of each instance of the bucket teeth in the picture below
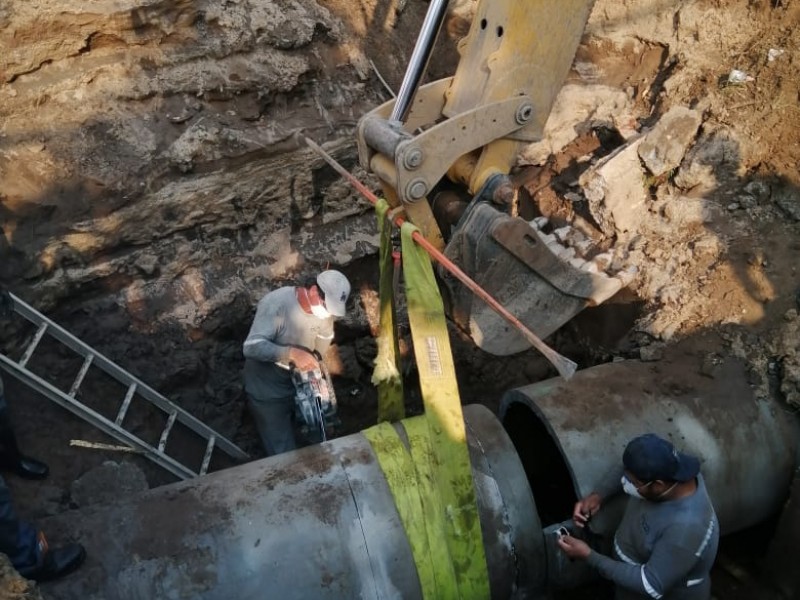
(540, 222)
(572, 247)
(563, 252)
(577, 263)
(603, 261)
(590, 267)
(583, 247)
(563, 233)
(626, 276)
(548, 238)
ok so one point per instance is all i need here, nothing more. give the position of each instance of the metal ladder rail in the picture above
(90, 355)
(125, 378)
(84, 412)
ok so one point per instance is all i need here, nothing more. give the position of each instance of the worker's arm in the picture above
(673, 558)
(261, 345)
(267, 325)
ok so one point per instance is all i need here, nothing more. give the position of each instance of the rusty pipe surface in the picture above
(315, 523)
(747, 445)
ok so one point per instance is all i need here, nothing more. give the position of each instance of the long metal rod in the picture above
(566, 368)
(419, 59)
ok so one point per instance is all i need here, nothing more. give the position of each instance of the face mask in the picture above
(630, 489)
(319, 311)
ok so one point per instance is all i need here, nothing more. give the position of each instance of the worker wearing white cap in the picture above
(291, 323)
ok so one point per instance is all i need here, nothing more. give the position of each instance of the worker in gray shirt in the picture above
(291, 323)
(667, 541)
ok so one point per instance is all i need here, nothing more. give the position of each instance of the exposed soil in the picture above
(100, 232)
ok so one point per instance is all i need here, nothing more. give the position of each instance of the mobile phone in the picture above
(562, 531)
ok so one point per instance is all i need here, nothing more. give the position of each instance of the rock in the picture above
(664, 146)
(789, 348)
(51, 500)
(578, 109)
(108, 483)
(651, 353)
(14, 586)
(759, 189)
(790, 382)
(147, 264)
(710, 365)
(336, 245)
(687, 212)
(616, 192)
(788, 199)
(713, 160)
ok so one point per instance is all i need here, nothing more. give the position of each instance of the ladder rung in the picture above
(81, 374)
(32, 346)
(165, 434)
(125, 404)
(207, 457)
(135, 387)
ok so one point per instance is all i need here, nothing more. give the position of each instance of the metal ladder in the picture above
(135, 386)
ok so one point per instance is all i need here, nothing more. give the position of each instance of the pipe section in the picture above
(321, 522)
(571, 435)
(316, 523)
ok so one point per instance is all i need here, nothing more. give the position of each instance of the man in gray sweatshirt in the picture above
(666, 544)
(291, 323)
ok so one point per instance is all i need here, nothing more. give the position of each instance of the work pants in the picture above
(18, 539)
(274, 422)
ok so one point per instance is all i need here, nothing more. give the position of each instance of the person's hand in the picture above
(586, 508)
(573, 547)
(303, 361)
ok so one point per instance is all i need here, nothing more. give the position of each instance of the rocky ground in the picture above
(155, 186)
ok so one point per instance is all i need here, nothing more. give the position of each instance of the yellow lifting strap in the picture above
(386, 375)
(431, 478)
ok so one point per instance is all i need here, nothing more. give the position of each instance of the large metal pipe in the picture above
(571, 435)
(311, 524)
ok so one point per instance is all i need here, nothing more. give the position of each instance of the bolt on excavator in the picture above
(444, 151)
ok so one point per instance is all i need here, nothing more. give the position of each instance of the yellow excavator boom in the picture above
(443, 152)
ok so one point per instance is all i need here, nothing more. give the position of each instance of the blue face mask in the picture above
(630, 489)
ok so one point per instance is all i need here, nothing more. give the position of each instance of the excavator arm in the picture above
(443, 152)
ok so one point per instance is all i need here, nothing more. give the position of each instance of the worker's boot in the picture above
(54, 562)
(10, 456)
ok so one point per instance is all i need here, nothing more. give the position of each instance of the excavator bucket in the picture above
(539, 277)
(467, 131)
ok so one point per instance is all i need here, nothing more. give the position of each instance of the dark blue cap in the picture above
(650, 457)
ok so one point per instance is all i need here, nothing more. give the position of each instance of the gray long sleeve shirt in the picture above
(279, 324)
(664, 550)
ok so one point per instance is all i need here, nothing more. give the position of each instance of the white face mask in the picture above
(630, 489)
(319, 311)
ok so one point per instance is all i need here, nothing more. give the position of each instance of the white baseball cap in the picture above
(336, 288)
